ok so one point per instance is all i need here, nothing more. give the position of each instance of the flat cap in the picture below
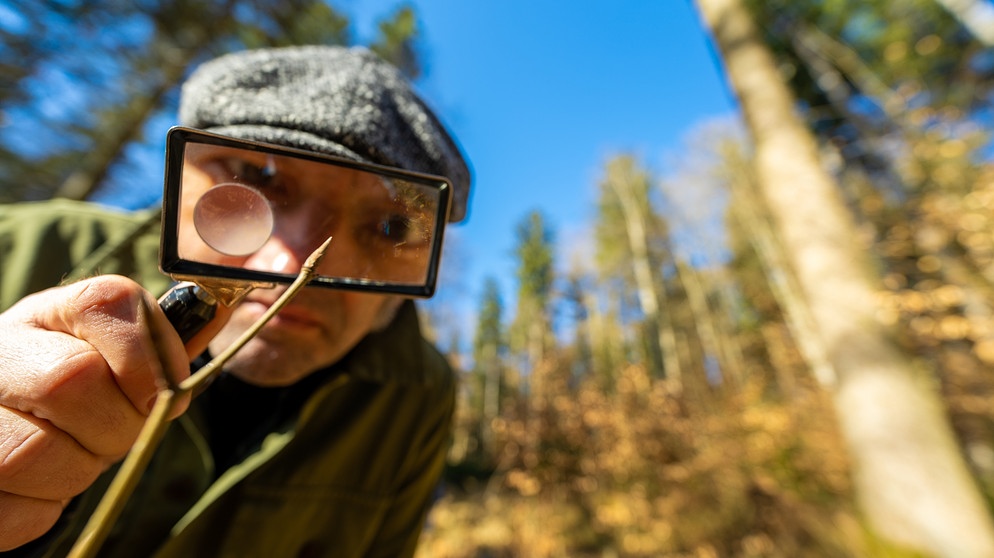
(334, 100)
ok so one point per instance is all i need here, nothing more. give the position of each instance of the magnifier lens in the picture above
(234, 219)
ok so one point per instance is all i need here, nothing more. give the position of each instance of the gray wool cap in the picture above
(334, 100)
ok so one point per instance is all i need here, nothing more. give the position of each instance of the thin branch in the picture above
(124, 483)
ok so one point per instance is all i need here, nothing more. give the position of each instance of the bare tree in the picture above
(748, 210)
(715, 347)
(628, 187)
(910, 477)
(976, 15)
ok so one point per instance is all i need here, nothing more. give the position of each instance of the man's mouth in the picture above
(290, 316)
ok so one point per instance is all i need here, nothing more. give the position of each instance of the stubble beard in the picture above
(269, 359)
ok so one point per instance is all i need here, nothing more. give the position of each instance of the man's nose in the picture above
(296, 233)
(276, 256)
(345, 257)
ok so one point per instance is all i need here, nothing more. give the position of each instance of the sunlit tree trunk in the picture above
(704, 322)
(976, 15)
(607, 345)
(531, 331)
(840, 58)
(747, 208)
(725, 318)
(488, 349)
(119, 127)
(824, 57)
(490, 398)
(911, 479)
(631, 189)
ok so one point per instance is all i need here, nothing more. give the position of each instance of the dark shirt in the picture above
(240, 415)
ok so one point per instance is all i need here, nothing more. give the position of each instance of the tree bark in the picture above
(704, 324)
(910, 477)
(170, 60)
(748, 209)
(490, 398)
(976, 15)
(622, 180)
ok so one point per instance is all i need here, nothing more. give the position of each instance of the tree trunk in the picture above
(606, 345)
(711, 345)
(728, 338)
(976, 15)
(748, 210)
(121, 127)
(124, 128)
(490, 398)
(622, 181)
(911, 480)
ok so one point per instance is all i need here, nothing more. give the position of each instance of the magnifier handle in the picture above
(189, 308)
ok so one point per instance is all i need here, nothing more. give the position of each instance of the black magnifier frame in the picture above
(173, 265)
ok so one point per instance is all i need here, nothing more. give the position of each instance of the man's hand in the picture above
(79, 372)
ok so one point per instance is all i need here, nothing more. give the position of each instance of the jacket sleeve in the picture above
(45, 244)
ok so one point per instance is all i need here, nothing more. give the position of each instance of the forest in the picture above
(819, 383)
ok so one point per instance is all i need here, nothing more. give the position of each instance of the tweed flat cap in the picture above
(334, 100)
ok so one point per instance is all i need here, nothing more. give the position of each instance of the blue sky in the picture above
(541, 93)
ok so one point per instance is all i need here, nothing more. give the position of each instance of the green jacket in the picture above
(351, 475)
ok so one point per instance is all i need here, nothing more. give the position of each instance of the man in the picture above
(326, 434)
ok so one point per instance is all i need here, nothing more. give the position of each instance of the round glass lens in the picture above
(233, 219)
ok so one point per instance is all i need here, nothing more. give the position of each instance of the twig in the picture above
(109, 509)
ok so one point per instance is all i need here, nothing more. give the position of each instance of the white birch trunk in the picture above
(621, 182)
(976, 15)
(910, 476)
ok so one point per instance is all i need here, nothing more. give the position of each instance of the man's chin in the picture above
(268, 362)
(270, 369)
(266, 379)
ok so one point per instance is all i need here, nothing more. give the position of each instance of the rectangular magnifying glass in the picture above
(245, 211)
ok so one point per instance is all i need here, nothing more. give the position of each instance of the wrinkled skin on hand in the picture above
(79, 372)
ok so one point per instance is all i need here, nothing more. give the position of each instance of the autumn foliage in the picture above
(598, 449)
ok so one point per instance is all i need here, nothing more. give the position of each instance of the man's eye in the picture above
(395, 228)
(263, 176)
(251, 173)
(401, 231)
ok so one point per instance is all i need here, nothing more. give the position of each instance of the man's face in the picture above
(316, 329)
(310, 204)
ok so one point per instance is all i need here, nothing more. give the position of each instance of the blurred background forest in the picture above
(816, 383)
